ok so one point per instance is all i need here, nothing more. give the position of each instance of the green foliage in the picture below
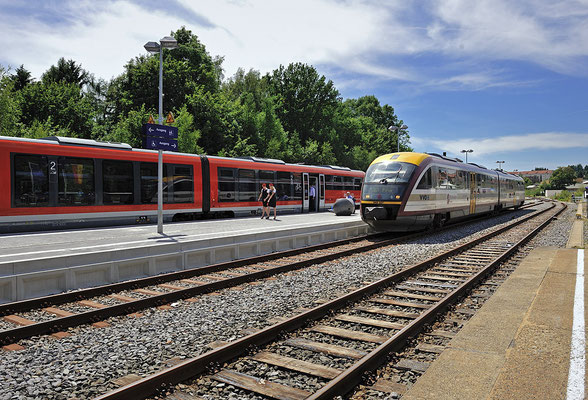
(563, 196)
(292, 113)
(9, 107)
(562, 177)
(68, 107)
(67, 72)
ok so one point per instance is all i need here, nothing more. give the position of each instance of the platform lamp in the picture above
(500, 164)
(466, 153)
(393, 128)
(166, 42)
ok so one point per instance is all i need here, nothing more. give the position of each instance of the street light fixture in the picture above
(393, 128)
(500, 164)
(466, 153)
(166, 42)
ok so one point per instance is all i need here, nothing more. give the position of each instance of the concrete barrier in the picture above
(44, 276)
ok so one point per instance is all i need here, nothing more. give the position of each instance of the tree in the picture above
(67, 72)
(9, 106)
(64, 104)
(186, 68)
(21, 78)
(562, 177)
(306, 101)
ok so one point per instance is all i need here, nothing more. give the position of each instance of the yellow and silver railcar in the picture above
(414, 191)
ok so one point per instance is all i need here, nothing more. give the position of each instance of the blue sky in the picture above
(507, 79)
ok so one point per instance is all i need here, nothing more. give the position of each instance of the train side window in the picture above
(117, 178)
(76, 182)
(247, 188)
(284, 186)
(338, 183)
(226, 184)
(148, 173)
(348, 182)
(426, 181)
(357, 183)
(329, 182)
(183, 184)
(31, 180)
(267, 177)
(297, 186)
(442, 182)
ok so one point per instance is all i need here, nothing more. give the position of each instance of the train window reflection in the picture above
(389, 172)
(31, 183)
(76, 182)
(426, 181)
(117, 179)
(226, 184)
(149, 183)
(247, 187)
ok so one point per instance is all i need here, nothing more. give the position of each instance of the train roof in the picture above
(67, 141)
(419, 158)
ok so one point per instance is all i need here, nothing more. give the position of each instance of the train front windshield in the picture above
(386, 181)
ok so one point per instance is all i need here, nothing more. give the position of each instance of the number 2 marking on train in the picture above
(52, 167)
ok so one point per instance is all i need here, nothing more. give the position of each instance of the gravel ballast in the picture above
(85, 364)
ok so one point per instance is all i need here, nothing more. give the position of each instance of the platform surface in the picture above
(517, 346)
(23, 246)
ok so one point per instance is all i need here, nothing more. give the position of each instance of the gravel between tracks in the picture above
(84, 364)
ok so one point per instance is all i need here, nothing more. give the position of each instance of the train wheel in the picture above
(439, 220)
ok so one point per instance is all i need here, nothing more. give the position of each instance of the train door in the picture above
(472, 192)
(321, 192)
(305, 202)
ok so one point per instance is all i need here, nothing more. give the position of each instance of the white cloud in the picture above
(506, 144)
(374, 38)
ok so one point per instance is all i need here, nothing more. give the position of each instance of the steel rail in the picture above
(61, 323)
(84, 294)
(192, 367)
(352, 376)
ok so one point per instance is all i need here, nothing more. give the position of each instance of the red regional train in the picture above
(61, 182)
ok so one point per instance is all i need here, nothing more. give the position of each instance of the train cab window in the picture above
(31, 180)
(226, 184)
(389, 172)
(247, 187)
(76, 182)
(148, 173)
(426, 181)
(183, 184)
(117, 178)
(284, 186)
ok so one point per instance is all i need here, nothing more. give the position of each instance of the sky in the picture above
(506, 79)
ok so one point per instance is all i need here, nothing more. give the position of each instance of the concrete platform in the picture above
(37, 264)
(518, 345)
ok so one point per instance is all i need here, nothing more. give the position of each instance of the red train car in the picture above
(66, 182)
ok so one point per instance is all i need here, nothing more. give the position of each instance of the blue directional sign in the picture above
(156, 143)
(161, 131)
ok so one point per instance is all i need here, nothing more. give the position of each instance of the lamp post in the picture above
(466, 153)
(166, 42)
(393, 128)
(500, 164)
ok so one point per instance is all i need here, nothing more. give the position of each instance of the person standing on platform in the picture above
(271, 200)
(262, 197)
(312, 195)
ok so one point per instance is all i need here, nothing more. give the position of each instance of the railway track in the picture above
(55, 313)
(326, 351)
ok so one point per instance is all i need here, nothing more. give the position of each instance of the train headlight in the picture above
(397, 197)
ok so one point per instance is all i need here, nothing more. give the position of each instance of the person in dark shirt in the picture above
(271, 200)
(262, 197)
